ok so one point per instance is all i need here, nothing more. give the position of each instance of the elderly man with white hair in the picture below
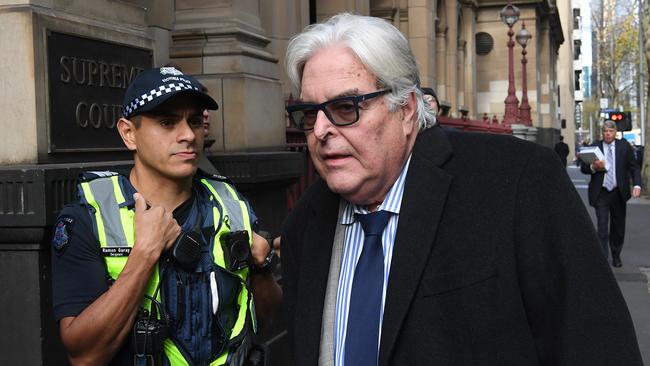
(421, 246)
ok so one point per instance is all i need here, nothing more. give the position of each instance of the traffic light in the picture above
(623, 120)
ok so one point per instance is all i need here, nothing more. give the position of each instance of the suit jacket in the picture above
(496, 262)
(626, 168)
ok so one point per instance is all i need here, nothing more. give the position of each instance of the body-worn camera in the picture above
(187, 250)
(236, 249)
(149, 334)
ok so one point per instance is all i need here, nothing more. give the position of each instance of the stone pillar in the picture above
(17, 58)
(470, 87)
(224, 45)
(545, 84)
(566, 76)
(282, 19)
(328, 8)
(421, 30)
(460, 76)
(160, 21)
(441, 74)
(451, 57)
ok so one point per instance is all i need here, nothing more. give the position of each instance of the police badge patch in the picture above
(62, 230)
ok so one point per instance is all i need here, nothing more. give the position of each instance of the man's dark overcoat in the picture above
(496, 262)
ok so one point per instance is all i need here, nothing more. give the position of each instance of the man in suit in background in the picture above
(609, 189)
(562, 150)
(422, 246)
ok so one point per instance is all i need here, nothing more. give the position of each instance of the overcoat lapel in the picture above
(425, 193)
(314, 269)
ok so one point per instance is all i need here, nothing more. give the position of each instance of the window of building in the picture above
(576, 18)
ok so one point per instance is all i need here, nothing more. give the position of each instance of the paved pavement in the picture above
(634, 277)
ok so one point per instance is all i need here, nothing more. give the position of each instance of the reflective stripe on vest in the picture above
(114, 223)
(229, 200)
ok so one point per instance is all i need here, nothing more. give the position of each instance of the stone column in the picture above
(460, 75)
(17, 64)
(421, 30)
(328, 8)
(282, 19)
(223, 44)
(451, 57)
(566, 76)
(545, 84)
(441, 74)
(469, 66)
(160, 21)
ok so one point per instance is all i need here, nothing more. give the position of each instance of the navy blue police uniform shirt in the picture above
(79, 274)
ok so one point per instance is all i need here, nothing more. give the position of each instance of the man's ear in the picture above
(126, 128)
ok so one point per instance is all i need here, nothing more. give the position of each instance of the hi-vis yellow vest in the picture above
(115, 229)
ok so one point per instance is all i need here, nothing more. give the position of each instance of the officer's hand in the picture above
(598, 165)
(155, 228)
(636, 192)
(259, 249)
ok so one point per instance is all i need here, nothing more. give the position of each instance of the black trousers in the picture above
(610, 214)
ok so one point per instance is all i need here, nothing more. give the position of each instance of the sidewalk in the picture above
(634, 277)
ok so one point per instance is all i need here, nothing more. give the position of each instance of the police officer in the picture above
(160, 266)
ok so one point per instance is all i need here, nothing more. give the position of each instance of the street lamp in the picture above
(510, 15)
(524, 110)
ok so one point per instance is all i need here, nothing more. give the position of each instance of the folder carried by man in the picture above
(589, 154)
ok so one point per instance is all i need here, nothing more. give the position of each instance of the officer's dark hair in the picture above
(137, 120)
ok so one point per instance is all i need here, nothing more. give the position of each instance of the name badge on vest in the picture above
(116, 251)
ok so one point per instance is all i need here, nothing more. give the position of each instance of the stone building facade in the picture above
(236, 48)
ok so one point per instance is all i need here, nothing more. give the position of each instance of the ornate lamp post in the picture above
(510, 15)
(524, 110)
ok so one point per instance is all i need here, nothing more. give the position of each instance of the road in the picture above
(633, 277)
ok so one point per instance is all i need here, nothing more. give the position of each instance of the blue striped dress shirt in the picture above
(352, 247)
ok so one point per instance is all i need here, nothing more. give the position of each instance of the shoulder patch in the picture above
(62, 231)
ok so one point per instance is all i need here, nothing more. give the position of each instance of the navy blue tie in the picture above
(362, 336)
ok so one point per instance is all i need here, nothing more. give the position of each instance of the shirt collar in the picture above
(391, 203)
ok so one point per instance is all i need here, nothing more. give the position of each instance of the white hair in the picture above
(381, 48)
(609, 124)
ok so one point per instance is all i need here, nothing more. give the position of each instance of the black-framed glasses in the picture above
(341, 111)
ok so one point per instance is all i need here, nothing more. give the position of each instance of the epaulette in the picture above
(218, 177)
(87, 176)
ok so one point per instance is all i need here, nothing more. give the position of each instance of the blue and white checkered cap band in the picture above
(153, 94)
